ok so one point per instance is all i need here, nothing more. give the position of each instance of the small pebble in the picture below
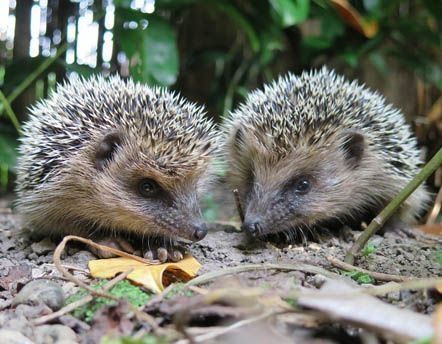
(55, 334)
(41, 291)
(14, 337)
(42, 247)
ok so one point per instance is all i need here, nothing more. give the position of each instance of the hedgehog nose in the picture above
(252, 227)
(200, 231)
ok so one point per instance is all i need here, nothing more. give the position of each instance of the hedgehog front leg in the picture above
(117, 243)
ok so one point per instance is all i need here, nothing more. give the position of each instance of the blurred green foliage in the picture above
(267, 38)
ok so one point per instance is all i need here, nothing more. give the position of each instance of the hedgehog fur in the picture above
(315, 149)
(115, 156)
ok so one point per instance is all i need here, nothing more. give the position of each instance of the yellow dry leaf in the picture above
(153, 277)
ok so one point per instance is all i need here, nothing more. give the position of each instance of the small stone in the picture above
(41, 291)
(42, 247)
(55, 334)
(33, 256)
(13, 337)
(318, 280)
(37, 273)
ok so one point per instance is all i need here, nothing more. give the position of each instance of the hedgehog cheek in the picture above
(353, 146)
(105, 150)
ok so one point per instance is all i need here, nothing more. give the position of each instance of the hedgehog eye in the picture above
(148, 187)
(302, 185)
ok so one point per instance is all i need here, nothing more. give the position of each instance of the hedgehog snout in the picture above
(200, 231)
(252, 226)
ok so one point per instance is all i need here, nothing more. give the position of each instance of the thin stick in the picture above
(34, 75)
(376, 275)
(71, 267)
(254, 267)
(388, 211)
(10, 112)
(238, 205)
(436, 208)
(74, 305)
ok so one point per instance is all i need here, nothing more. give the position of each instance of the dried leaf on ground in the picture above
(153, 277)
(340, 301)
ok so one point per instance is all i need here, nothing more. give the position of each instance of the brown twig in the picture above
(238, 205)
(71, 267)
(254, 267)
(74, 305)
(376, 275)
(436, 209)
(57, 262)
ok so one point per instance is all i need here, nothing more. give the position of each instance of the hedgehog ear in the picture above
(353, 145)
(106, 149)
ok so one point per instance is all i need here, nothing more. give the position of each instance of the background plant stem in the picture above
(389, 210)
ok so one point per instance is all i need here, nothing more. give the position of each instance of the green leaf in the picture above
(152, 52)
(331, 25)
(316, 43)
(8, 150)
(351, 57)
(291, 12)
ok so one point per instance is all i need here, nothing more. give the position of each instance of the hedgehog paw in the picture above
(164, 254)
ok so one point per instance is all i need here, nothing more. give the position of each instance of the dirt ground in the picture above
(225, 247)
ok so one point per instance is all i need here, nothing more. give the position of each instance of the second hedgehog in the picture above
(116, 158)
(318, 151)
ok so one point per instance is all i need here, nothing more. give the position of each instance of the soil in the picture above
(23, 260)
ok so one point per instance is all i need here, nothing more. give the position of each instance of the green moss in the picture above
(369, 249)
(292, 302)
(124, 290)
(360, 277)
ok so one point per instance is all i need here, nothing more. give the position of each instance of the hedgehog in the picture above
(316, 151)
(116, 158)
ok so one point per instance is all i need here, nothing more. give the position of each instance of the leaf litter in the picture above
(264, 300)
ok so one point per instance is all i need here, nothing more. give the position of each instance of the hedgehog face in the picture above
(301, 188)
(132, 191)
